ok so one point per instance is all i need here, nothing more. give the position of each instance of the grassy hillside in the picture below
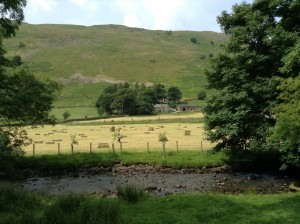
(86, 59)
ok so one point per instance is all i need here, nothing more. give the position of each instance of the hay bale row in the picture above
(103, 145)
(57, 140)
(187, 132)
(38, 142)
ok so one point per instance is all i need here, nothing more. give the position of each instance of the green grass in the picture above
(78, 160)
(80, 95)
(176, 160)
(130, 192)
(113, 53)
(63, 209)
(209, 208)
(58, 162)
(150, 121)
(21, 207)
(75, 112)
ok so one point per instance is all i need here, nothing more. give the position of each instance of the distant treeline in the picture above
(135, 99)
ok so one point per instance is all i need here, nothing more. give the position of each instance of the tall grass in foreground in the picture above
(21, 207)
(79, 209)
(130, 192)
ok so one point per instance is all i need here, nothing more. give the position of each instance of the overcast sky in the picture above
(197, 15)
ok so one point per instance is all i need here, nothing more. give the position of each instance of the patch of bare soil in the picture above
(79, 78)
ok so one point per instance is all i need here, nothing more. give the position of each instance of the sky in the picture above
(194, 15)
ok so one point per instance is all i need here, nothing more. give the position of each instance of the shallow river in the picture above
(156, 183)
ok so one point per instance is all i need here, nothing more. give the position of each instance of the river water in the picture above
(157, 183)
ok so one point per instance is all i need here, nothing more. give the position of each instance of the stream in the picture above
(155, 180)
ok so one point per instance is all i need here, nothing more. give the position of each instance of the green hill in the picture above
(86, 59)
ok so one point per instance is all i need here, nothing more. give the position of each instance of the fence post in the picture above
(90, 147)
(164, 150)
(148, 147)
(58, 148)
(113, 148)
(72, 149)
(177, 146)
(33, 149)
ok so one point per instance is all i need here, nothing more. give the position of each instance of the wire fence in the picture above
(103, 138)
(59, 147)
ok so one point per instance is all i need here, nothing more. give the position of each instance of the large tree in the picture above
(287, 112)
(159, 93)
(260, 35)
(174, 94)
(124, 99)
(24, 100)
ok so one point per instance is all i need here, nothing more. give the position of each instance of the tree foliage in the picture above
(11, 16)
(201, 95)
(287, 128)
(66, 115)
(174, 94)
(17, 60)
(24, 99)
(159, 93)
(130, 100)
(261, 35)
(194, 40)
(287, 112)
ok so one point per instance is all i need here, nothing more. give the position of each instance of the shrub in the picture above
(201, 95)
(21, 45)
(202, 56)
(66, 115)
(194, 40)
(169, 32)
(172, 104)
(130, 193)
(17, 60)
(162, 137)
(100, 211)
(64, 210)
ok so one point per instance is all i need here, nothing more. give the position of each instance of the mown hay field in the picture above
(166, 116)
(99, 138)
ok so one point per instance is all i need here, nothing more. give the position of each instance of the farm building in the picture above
(163, 107)
(187, 108)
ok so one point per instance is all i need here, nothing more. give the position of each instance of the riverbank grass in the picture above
(182, 159)
(130, 192)
(21, 207)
